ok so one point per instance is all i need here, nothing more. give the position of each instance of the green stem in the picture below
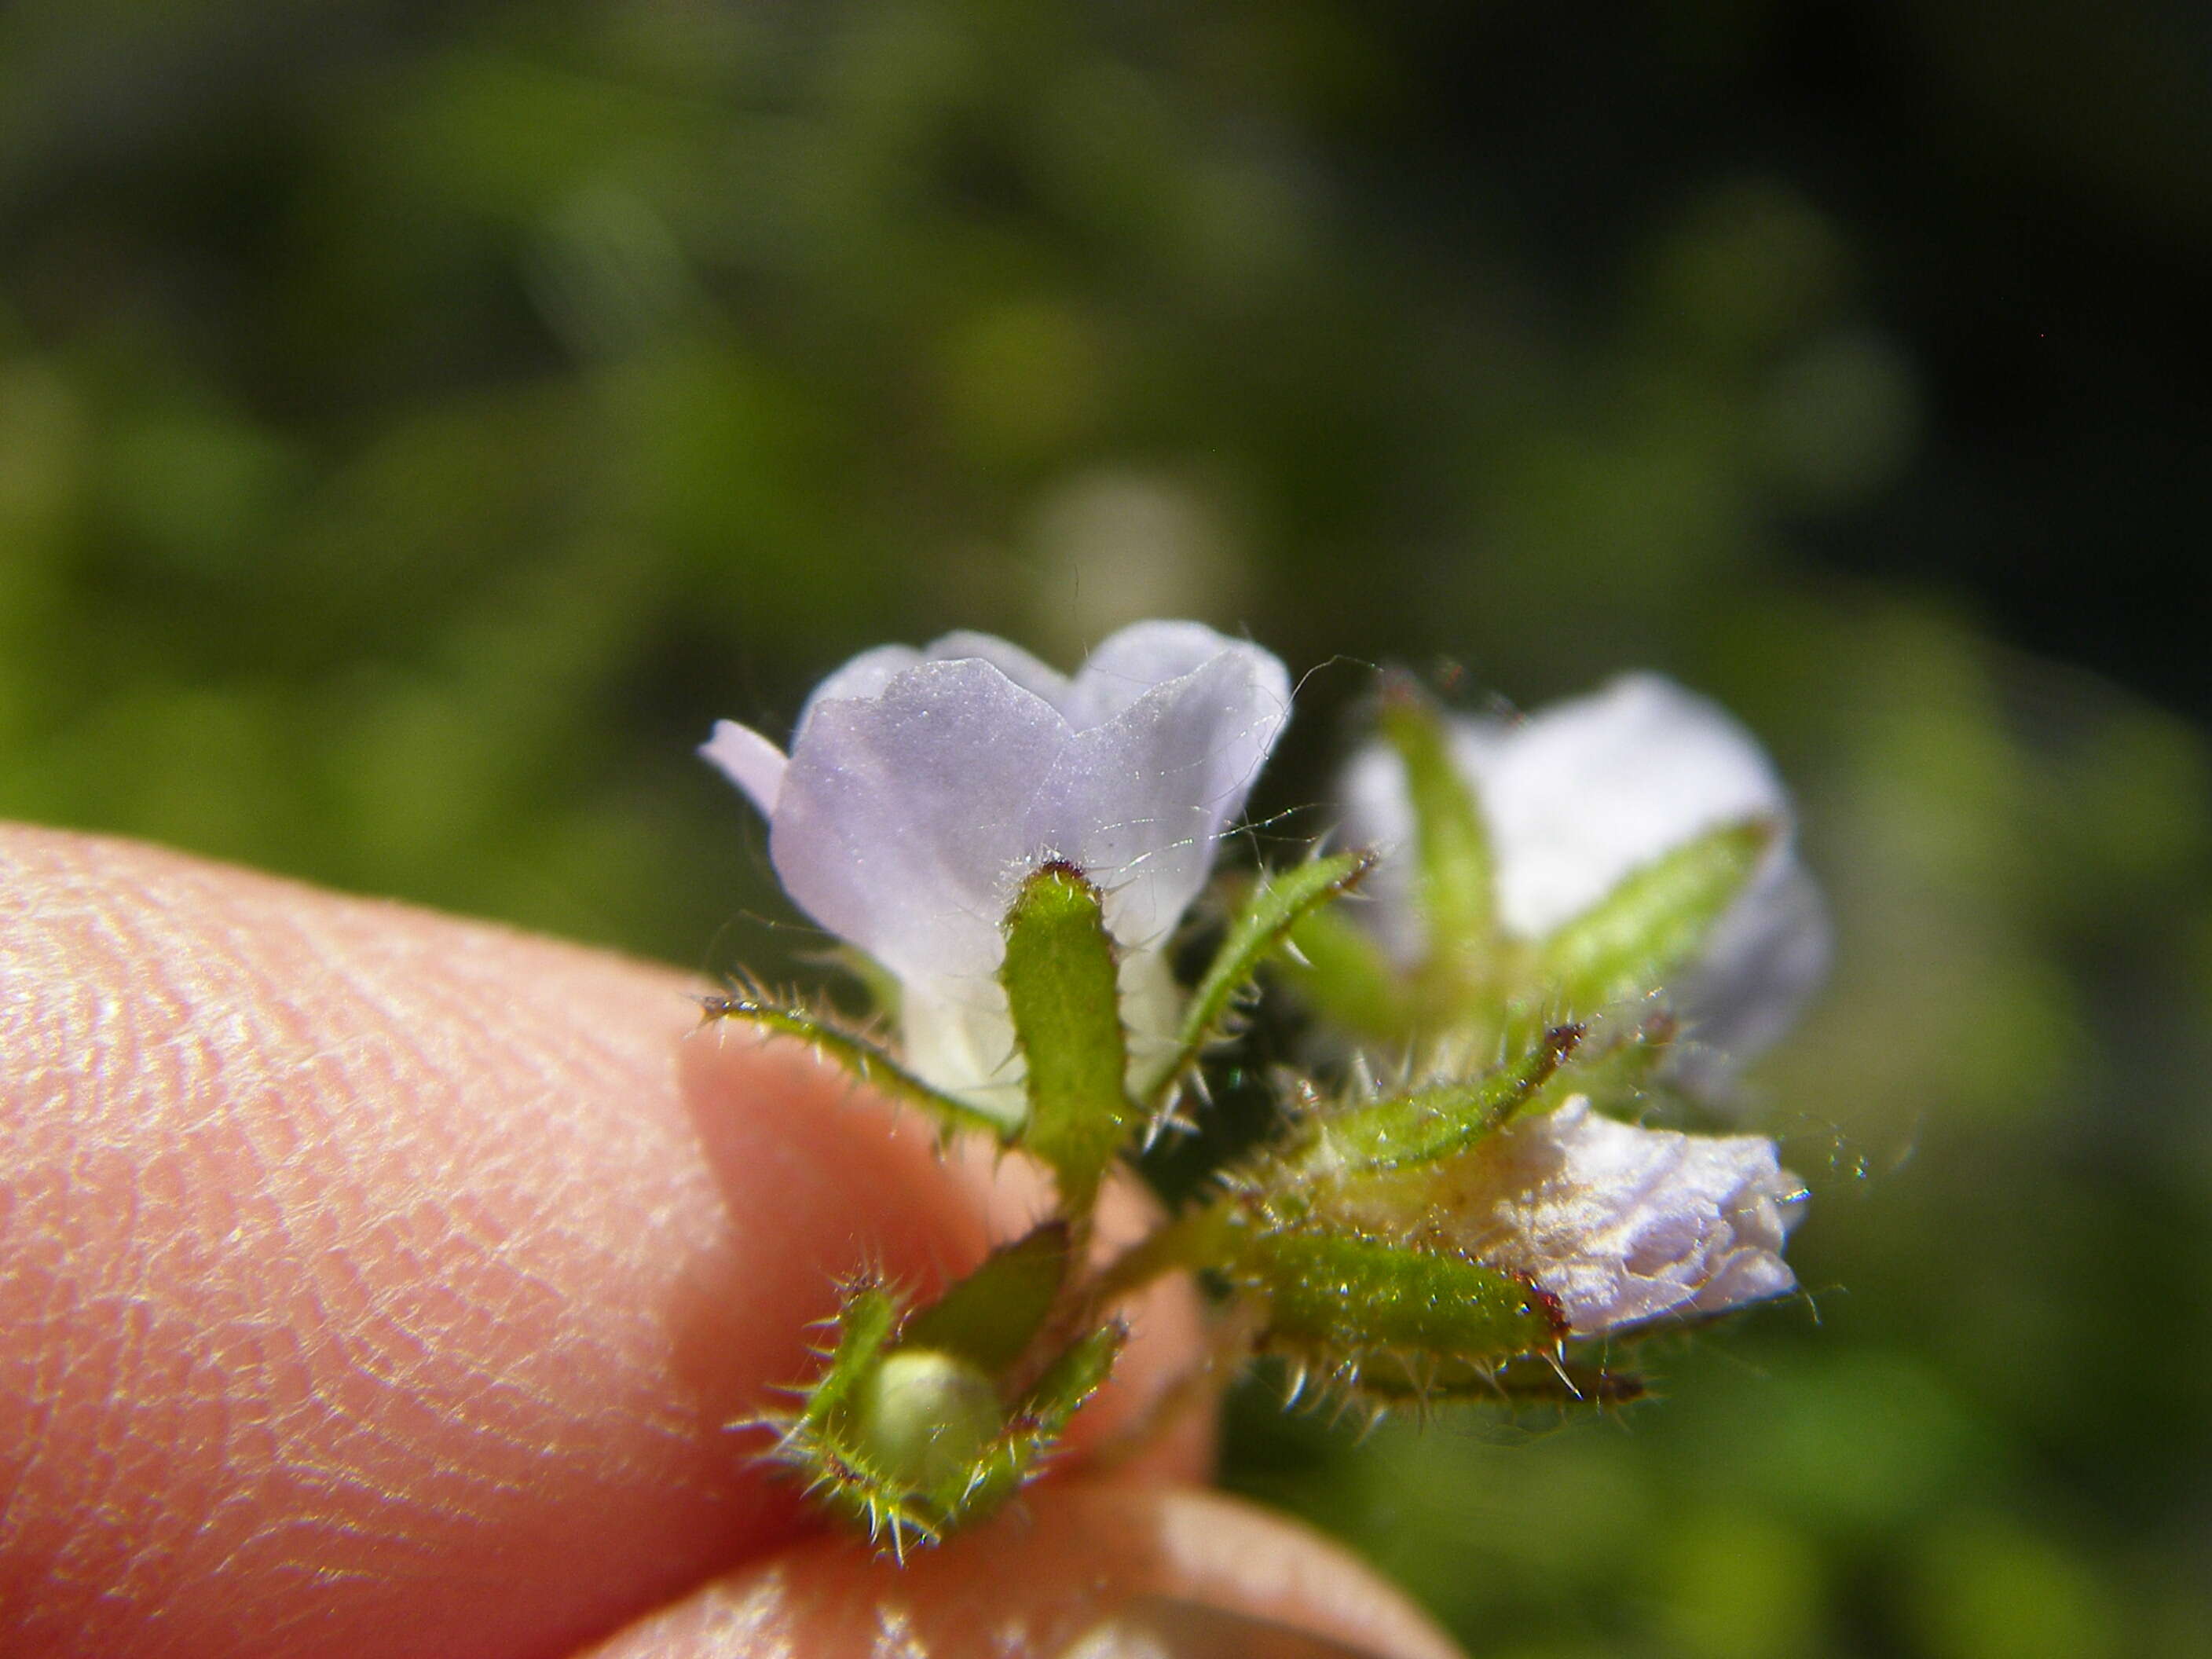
(1196, 1238)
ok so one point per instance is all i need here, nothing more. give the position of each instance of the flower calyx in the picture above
(923, 1420)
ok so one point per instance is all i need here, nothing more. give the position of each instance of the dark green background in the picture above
(417, 422)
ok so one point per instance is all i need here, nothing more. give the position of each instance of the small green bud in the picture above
(913, 1438)
(920, 1418)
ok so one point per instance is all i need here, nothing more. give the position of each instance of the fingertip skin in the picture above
(367, 1282)
(1037, 1579)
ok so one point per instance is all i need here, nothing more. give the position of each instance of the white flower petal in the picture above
(1152, 1015)
(924, 785)
(863, 677)
(1625, 1224)
(868, 674)
(747, 760)
(960, 1038)
(1378, 815)
(904, 820)
(1132, 661)
(1140, 801)
(1762, 961)
(1010, 660)
(1581, 794)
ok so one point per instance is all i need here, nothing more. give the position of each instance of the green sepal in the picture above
(835, 1443)
(1405, 1131)
(863, 1060)
(1616, 1061)
(865, 1324)
(1635, 938)
(1276, 904)
(1345, 974)
(990, 1317)
(1454, 874)
(1035, 1425)
(1569, 1383)
(1063, 991)
(1349, 1300)
(1075, 1375)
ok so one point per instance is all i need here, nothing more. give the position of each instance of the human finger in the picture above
(1087, 1570)
(364, 1285)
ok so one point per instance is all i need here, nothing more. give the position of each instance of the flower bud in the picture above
(922, 1419)
(1618, 1225)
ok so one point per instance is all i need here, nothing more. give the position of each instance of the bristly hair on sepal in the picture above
(854, 1048)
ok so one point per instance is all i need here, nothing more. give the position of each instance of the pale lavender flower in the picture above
(1623, 1224)
(922, 786)
(1579, 795)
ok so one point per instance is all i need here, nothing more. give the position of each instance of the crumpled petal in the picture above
(1578, 796)
(1625, 1224)
(924, 785)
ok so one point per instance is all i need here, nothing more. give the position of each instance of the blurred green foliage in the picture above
(416, 424)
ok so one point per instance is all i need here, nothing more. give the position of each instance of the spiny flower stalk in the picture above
(1571, 916)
